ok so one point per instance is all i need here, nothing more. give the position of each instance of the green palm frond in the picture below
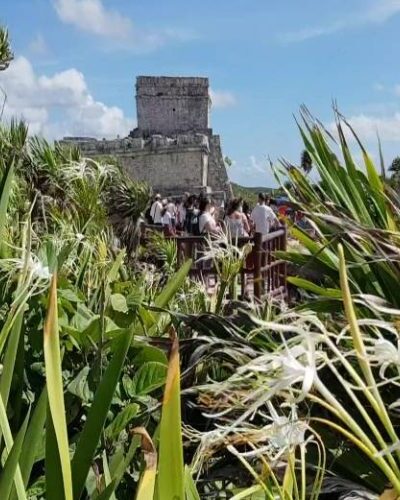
(6, 55)
(126, 202)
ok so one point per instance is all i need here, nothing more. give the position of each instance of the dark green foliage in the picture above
(6, 55)
(306, 161)
(395, 165)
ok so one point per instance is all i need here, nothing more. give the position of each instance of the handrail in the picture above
(266, 273)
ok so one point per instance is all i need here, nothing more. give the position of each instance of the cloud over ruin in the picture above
(58, 105)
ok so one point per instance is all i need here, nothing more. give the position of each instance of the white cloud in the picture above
(59, 105)
(252, 171)
(93, 17)
(222, 98)
(382, 10)
(367, 127)
(376, 12)
(38, 45)
(256, 165)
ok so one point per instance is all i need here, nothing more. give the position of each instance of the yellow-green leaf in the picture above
(171, 475)
(54, 384)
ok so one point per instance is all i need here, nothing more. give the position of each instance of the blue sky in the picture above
(76, 61)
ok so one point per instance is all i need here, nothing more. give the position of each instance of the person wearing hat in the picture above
(156, 209)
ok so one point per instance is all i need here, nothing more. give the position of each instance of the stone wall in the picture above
(170, 106)
(172, 148)
(217, 174)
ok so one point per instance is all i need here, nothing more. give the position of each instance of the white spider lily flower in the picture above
(39, 271)
(79, 236)
(36, 275)
(389, 450)
(287, 432)
(292, 366)
(385, 353)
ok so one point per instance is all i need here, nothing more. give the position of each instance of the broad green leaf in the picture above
(113, 273)
(11, 468)
(120, 469)
(10, 357)
(190, 486)
(118, 303)
(150, 318)
(106, 473)
(149, 377)
(121, 421)
(90, 435)
(8, 439)
(18, 305)
(255, 492)
(171, 475)
(55, 389)
(5, 191)
(174, 284)
(79, 386)
(316, 248)
(33, 437)
(333, 293)
(149, 353)
(53, 470)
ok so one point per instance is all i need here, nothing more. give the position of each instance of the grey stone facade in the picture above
(172, 148)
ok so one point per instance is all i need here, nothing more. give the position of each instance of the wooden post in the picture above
(257, 250)
(284, 248)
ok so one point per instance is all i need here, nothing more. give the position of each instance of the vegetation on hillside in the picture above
(250, 194)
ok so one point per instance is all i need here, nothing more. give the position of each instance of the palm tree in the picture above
(306, 161)
(395, 166)
(6, 55)
(126, 201)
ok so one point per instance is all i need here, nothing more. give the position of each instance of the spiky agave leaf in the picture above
(349, 205)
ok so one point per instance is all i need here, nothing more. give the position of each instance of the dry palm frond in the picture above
(126, 201)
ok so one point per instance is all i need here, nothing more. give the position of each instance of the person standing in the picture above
(263, 216)
(156, 209)
(191, 214)
(172, 210)
(181, 211)
(207, 222)
(168, 218)
(236, 221)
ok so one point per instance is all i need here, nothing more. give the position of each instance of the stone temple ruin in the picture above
(173, 147)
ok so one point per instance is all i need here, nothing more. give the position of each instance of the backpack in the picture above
(188, 220)
(195, 224)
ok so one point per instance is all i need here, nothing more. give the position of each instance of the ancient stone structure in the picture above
(173, 147)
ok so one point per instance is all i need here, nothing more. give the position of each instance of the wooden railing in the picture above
(262, 274)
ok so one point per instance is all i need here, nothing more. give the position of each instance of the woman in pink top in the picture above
(236, 221)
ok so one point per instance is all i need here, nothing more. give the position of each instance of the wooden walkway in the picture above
(262, 276)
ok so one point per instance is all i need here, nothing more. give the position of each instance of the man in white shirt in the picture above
(156, 209)
(181, 211)
(263, 216)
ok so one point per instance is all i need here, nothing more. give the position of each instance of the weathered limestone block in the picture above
(173, 148)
